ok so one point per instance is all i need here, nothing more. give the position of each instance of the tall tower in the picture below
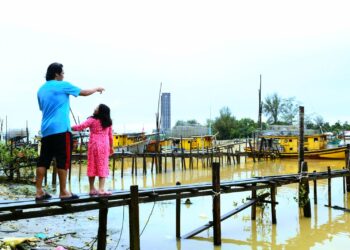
(165, 114)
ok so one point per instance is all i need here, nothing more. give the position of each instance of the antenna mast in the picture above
(260, 108)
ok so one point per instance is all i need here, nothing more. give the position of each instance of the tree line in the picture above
(277, 111)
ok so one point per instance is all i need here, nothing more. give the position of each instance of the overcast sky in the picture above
(207, 54)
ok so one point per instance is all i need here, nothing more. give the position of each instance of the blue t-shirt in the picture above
(53, 98)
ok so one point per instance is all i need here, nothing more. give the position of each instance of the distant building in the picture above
(165, 114)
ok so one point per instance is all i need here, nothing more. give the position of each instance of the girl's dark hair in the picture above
(104, 115)
(52, 70)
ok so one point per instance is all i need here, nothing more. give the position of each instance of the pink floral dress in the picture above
(100, 143)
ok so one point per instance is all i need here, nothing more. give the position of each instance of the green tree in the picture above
(308, 121)
(289, 110)
(186, 123)
(319, 122)
(272, 108)
(244, 128)
(346, 126)
(224, 124)
(180, 123)
(337, 128)
(192, 122)
(327, 127)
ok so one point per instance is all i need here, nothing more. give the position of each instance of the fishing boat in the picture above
(344, 138)
(194, 143)
(314, 146)
(158, 143)
(130, 142)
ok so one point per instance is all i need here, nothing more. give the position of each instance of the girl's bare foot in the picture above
(93, 192)
(103, 192)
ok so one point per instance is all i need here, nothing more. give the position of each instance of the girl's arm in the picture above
(83, 125)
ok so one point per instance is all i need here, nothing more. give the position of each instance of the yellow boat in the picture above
(315, 146)
(130, 142)
(194, 142)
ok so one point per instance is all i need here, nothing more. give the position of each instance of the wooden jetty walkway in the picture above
(29, 208)
(161, 161)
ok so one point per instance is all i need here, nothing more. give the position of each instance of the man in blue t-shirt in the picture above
(53, 98)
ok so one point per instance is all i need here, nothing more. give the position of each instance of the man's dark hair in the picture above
(104, 115)
(52, 70)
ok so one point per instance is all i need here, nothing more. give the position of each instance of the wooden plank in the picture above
(225, 216)
(118, 198)
(339, 208)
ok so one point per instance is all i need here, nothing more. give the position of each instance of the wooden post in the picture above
(183, 159)
(273, 203)
(134, 227)
(156, 162)
(178, 213)
(253, 212)
(190, 161)
(132, 165)
(12, 165)
(301, 137)
(173, 160)
(165, 162)
(102, 226)
(197, 156)
(160, 160)
(304, 191)
(144, 164)
(329, 187)
(216, 203)
(113, 165)
(80, 159)
(252, 150)
(122, 170)
(344, 183)
(152, 165)
(347, 165)
(315, 189)
(228, 159)
(260, 148)
(238, 156)
(207, 156)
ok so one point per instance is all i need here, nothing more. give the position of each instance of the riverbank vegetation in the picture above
(276, 110)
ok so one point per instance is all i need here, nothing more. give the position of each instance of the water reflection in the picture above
(326, 229)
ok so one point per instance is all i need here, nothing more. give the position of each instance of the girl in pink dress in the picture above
(100, 147)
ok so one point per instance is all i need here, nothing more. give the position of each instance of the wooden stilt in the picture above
(113, 166)
(315, 189)
(178, 213)
(304, 191)
(216, 203)
(253, 212)
(273, 203)
(102, 226)
(329, 187)
(134, 222)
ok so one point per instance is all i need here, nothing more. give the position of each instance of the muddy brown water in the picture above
(326, 229)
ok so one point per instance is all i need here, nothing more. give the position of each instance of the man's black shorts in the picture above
(58, 146)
